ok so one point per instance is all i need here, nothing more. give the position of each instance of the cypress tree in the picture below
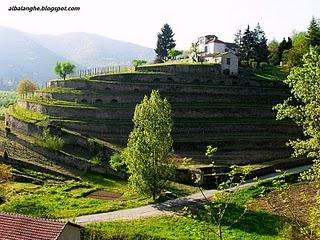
(165, 42)
(313, 34)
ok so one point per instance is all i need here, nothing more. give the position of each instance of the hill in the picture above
(25, 55)
(234, 114)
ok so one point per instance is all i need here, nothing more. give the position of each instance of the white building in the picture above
(213, 50)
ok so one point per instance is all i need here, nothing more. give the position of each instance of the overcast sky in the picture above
(138, 21)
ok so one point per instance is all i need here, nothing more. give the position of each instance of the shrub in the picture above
(254, 65)
(50, 142)
(263, 65)
(244, 63)
(117, 162)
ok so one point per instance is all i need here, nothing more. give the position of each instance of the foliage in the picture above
(313, 33)
(62, 69)
(5, 173)
(173, 53)
(26, 114)
(149, 145)
(165, 42)
(117, 162)
(303, 109)
(274, 56)
(50, 142)
(138, 62)
(7, 98)
(253, 44)
(26, 87)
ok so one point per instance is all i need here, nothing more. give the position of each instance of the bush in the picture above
(50, 142)
(263, 65)
(117, 162)
(254, 65)
(244, 63)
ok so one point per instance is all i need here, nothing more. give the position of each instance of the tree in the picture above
(62, 69)
(313, 33)
(165, 42)
(303, 109)
(173, 53)
(148, 152)
(247, 45)
(273, 48)
(138, 62)
(26, 87)
(260, 47)
(238, 37)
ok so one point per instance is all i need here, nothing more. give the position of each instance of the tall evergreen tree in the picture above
(165, 42)
(260, 47)
(313, 34)
(238, 37)
(247, 45)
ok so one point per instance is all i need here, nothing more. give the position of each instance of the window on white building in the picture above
(228, 61)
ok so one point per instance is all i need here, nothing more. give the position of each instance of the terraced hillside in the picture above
(208, 109)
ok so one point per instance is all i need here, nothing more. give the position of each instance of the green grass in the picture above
(253, 225)
(270, 73)
(26, 115)
(62, 90)
(67, 199)
(177, 63)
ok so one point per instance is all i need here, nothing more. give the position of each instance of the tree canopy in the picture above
(26, 87)
(150, 145)
(313, 33)
(303, 108)
(62, 69)
(253, 44)
(165, 42)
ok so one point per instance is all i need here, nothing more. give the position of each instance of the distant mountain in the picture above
(92, 50)
(24, 55)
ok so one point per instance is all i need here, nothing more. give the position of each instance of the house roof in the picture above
(215, 40)
(21, 227)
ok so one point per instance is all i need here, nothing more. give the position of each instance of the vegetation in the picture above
(7, 98)
(164, 43)
(149, 146)
(26, 87)
(173, 53)
(49, 141)
(138, 62)
(62, 69)
(253, 44)
(303, 109)
(5, 173)
(26, 115)
(194, 226)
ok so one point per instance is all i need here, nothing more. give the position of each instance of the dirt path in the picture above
(165, 208)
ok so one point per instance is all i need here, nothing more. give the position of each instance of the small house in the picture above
(16, 226)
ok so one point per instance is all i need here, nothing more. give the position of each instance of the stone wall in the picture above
(21, 126)
(180, 68)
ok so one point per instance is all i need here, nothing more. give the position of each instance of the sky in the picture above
(139, 21)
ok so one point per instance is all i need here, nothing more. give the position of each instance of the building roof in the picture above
(21, 227)
(216, 40)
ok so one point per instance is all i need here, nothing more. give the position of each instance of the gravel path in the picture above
(165, 208)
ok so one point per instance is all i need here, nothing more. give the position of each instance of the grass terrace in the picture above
(26, 115)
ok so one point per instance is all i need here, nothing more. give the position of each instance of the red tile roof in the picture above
(20, 227)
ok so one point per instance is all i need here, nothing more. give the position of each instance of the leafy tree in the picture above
(62, 69)
(26, 87)
(150, 145)
(173, 53)
(165, 42)
(238, 37)
(247, 45)
(138, 62)
(303, 107)
(313, 34)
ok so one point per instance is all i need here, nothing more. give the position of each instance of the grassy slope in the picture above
(69, 199)
(254, 224)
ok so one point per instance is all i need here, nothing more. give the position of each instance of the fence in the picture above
(102, 71)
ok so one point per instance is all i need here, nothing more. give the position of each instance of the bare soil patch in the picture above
(104, 195)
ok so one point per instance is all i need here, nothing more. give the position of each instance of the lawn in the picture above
(254, 224)
(68, 199)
